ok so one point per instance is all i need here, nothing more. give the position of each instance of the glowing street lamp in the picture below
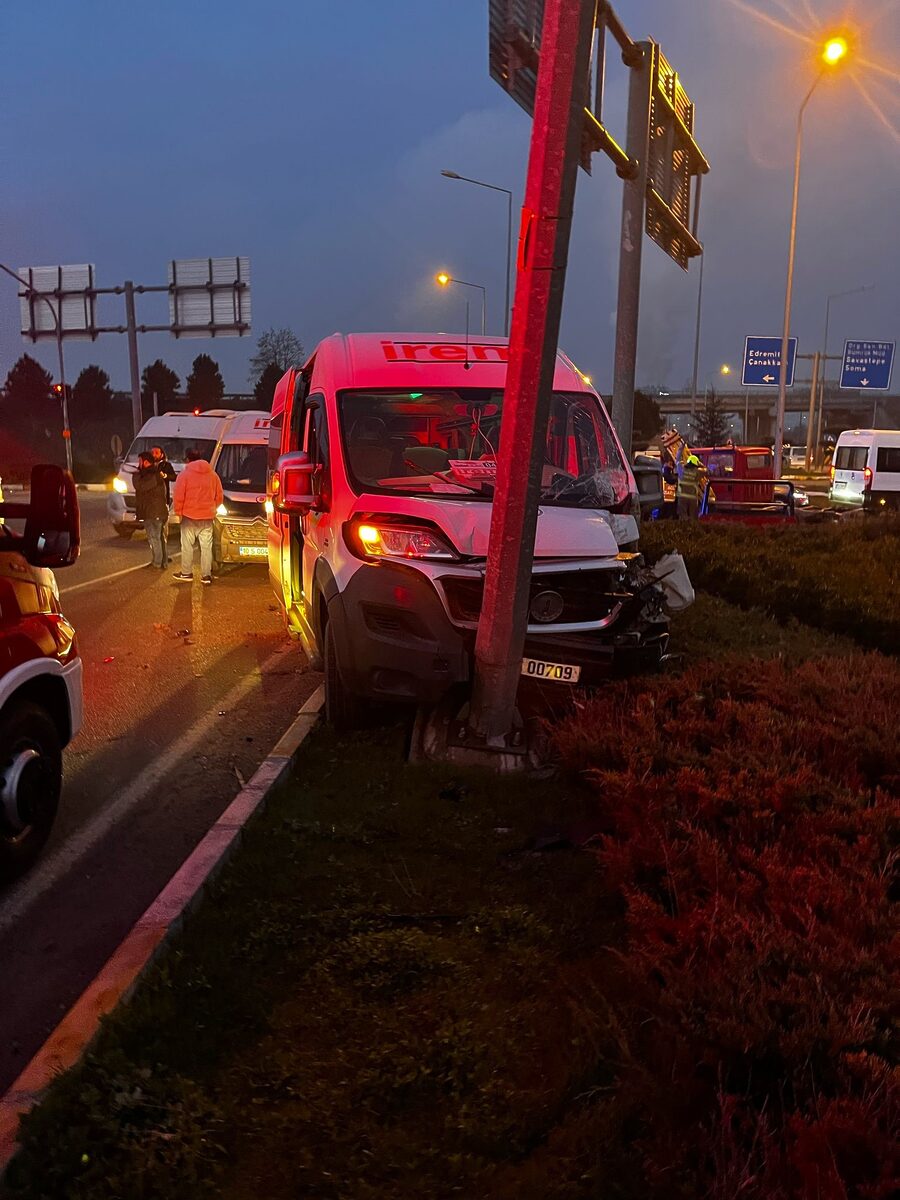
(724, 369)
(834, 51)
(444, 279)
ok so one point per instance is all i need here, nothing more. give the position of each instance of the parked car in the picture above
(865, 470)
(794, 457)
(240, 458)
(40, 669)
(174, 433)
(383, 462)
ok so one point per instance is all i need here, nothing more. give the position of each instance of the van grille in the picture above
(586, 595)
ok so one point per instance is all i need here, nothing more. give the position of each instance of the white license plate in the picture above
(253, 551)
(839, 484)
(539, 668)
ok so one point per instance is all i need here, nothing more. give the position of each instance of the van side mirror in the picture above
(292, 483)
(52, 536)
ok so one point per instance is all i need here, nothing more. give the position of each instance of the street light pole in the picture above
(444, 279)
(697, 338)
(57, 323)
(509, 198)
(833, 51)
(792, 242)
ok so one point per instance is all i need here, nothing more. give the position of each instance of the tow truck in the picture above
(737, 482)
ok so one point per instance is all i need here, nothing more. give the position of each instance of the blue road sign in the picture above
(867, 365)
(762, 362)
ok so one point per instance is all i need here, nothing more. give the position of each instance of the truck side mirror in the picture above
(292, 485)
(52, 534)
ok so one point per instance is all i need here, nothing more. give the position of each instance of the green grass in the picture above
(389, 993)
(842, 579)
(386, 995)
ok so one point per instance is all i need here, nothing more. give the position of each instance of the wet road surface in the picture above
(187, 688)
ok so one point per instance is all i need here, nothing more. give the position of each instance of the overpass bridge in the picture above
(750, 413)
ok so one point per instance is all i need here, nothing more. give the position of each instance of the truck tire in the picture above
(125, 531)
(343, 711)
(30, 784)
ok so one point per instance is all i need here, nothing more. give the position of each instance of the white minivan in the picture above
(383, 462)
(865, 470)
(239, 534)
(174, 432)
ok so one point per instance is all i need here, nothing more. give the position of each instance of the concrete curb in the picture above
(117, 979)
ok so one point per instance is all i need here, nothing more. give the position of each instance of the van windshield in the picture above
(444, 442)
(242, 467)
(173, 447)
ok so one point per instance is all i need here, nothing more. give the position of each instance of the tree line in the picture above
(31, 421)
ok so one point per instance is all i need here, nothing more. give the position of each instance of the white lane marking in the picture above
(115, 575)
(49, 870)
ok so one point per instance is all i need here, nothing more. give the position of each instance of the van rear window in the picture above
(851, 458)
(759, 462)
(889, 459)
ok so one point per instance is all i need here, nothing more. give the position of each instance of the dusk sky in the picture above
(310, 135)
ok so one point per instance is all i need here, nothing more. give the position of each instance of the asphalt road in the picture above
(186, 690)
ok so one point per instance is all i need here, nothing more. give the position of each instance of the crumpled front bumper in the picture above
(402, 634)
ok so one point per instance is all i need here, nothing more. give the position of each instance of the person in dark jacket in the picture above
(169, 474)
(151, 507)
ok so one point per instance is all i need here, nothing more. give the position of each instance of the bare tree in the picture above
(279, 347)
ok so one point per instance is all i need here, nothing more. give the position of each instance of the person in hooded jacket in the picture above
(151, 506)
(196, 496)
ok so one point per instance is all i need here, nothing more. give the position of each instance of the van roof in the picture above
(869, 433)
(249, 426)
(172, 423)
(386, 360)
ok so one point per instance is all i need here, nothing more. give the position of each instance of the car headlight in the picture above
(221, 511)
(382, 539)
(119, 485)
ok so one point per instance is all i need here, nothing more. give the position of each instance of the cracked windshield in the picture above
(445, 442)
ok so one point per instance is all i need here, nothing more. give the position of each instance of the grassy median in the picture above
(665, 972)
(841, 578)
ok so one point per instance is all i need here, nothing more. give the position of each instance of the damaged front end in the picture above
(606, 618)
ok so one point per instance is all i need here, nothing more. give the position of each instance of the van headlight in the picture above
(120, 486)
(391, 539)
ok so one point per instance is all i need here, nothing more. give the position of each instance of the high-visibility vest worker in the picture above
(687, 493)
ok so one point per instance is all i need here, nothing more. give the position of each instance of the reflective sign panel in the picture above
(74, 310)
(209, 297)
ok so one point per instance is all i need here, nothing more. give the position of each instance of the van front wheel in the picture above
(343, 711)
(30, 782)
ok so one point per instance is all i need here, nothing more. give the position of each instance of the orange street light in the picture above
(442, 278)
(834, 50)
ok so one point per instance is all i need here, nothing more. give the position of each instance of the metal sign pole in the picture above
(137, 416)
(634, 191)
(811, 418)
(67, 429)
(553, 159)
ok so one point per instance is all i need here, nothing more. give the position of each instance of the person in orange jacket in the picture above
(197, 495)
